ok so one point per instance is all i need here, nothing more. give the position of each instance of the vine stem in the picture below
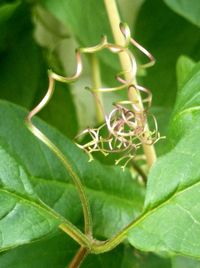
(96, 80)
(61, 156)
(78, 258)
(114, 18)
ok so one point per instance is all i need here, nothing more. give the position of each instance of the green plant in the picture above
(56, 207)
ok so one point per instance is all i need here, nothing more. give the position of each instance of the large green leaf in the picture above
(171, 218)
(29, 170)
(167, 36)
(23, 218)
(188, 9)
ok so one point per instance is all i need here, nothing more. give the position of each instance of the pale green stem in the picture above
(114, 18)
(96, 81)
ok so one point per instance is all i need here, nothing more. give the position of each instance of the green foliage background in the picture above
(36, 191)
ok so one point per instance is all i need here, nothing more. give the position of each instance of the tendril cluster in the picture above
(125, 129)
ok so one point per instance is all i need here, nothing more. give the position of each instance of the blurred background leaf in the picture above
(6, 11)
(190, 10)
(23, 76)
(87, 22)
(166, 36)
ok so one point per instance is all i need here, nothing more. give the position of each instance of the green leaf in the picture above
(22, 217)
(87, 21)
(52, 252)
(188, 9)
(36, 174)
(171, 219)
(166, 36)
(183, 68)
